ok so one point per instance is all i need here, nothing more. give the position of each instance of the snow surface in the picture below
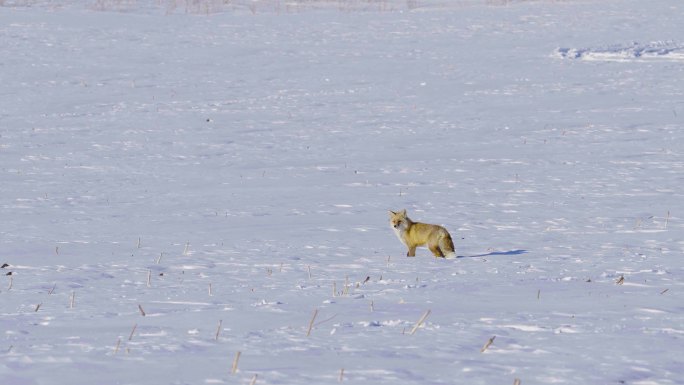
(180, 184)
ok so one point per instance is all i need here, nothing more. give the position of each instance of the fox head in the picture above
(399, 220)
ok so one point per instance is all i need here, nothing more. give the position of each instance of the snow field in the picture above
(228, 175)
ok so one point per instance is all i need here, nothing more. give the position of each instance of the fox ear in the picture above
(391, 213)
(403, 212)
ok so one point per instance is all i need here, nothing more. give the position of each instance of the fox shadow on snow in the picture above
(494, 253)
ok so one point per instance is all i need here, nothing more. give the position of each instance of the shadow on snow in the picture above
(493, 253)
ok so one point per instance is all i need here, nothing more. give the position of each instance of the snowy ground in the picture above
(228, 173)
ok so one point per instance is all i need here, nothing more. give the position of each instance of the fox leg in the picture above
(411, 252)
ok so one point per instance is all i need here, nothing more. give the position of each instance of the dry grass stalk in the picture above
(324, 321)
(73, 299)
(341, 375)
(538, 293)
(130, 336)
(149, 278)
(11, 282)
(160, 257)
(372, 306)
(667, 219)
(218, 330)
(420, 322)
(347, 285)
(620, 280)
(253, 380)
(139, 242)
(118, 345)
(211, 293)
(516, 381)
(187, 247)
(664, 291)
(234, 369)
(309, 269)
(311, 323)
(53, 289)
(488, 344)
(38, 307)
(141, 310)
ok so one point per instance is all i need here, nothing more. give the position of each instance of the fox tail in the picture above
(446, 244)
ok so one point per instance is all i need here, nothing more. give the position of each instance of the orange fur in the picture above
(415, 234)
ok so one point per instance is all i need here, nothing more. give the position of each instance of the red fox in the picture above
(414, 234)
